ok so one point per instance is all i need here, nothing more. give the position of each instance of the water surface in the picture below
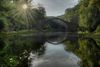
(55, 56)
(35, 51)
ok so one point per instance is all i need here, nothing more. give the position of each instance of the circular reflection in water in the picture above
(54, 56)
(54, 29)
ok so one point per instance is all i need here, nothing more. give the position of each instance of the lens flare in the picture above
(23, 10)
(24, 6)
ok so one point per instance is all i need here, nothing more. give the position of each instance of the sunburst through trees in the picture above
(23, 9)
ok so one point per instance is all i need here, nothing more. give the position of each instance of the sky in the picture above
(56, 7)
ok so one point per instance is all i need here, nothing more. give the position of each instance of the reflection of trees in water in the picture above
(2, 43)
(87, 50)
(16, 51)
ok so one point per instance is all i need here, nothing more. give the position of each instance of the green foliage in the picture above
(87, 50)
(88, 13)
(3, 24)
(19, 23)
(70, 12)
(16, 50)
(38, 14)
(98, 29)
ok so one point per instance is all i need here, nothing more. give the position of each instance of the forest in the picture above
(85, 15)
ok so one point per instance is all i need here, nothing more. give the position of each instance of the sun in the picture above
(23, 10)
(24, 6)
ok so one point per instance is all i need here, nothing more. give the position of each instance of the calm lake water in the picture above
(55, 56)
(30, 51)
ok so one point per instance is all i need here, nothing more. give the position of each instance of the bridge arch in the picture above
(55, 24)
(56, 30)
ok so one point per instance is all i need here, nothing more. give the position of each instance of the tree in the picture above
(3, 24)
(89, 14)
